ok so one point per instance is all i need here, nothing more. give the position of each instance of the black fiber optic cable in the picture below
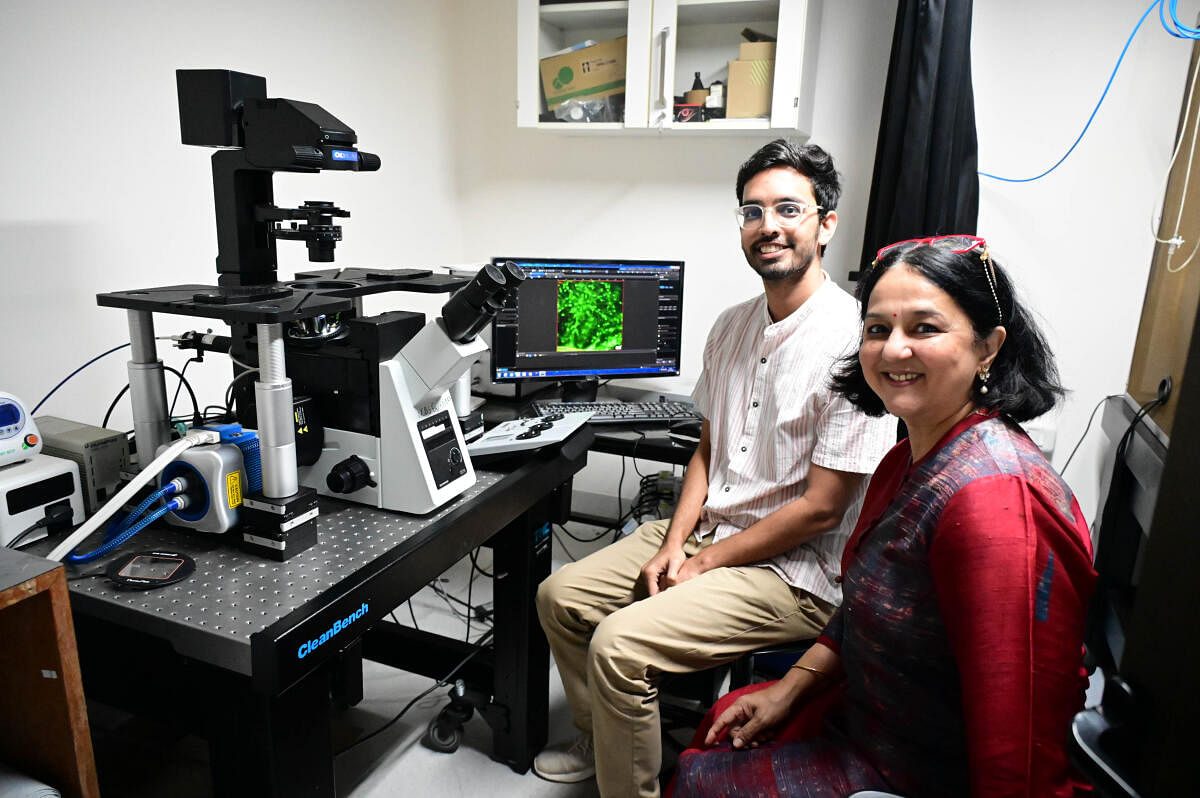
(633, 452)
(413, 615)
(1083, 435)
(584, 540)
(113, 406)
(470, 608)
(563, 546)
(58, 515)
(476, 566)
(15, 542)
(449, 600)
(480, 645)
(197, 416)
(229, 389)
(179, 386)
(72, 374)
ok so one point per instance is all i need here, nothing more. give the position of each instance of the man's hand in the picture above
(752, 717)
(662, 570)
(692, 567)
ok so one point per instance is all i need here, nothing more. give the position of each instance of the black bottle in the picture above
(696, 84)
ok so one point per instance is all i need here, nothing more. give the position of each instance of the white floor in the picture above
(140, 759)
(396, 763)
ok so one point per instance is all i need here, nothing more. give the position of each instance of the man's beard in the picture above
(803, 254)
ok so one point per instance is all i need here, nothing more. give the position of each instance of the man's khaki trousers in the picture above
(611, 642)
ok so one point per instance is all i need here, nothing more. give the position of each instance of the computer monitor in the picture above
(579, 320)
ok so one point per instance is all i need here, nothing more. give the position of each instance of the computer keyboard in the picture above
(660, 413)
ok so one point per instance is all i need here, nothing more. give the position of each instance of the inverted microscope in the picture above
(343, 404)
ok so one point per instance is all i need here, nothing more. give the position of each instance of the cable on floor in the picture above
(480, 645)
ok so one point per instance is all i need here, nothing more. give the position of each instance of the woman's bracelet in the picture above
(811, 669)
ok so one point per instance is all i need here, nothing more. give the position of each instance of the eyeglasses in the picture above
(958, 244)
(788, 214)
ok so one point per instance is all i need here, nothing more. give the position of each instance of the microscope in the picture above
(417, 460)
(343, 404)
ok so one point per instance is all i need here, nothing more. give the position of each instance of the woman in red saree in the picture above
(953, 665)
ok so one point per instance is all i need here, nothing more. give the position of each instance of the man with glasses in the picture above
(751, 557)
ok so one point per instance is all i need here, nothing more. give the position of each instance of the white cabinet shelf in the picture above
(668, 41)
(728, 127)
(586, 16)
(715, 12)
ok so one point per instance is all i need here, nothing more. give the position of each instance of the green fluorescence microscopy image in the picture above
(589, 315)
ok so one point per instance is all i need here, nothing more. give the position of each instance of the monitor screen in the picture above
(574, 319)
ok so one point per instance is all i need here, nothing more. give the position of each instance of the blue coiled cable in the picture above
(1175, 28)
(121, 531)
(120, 525)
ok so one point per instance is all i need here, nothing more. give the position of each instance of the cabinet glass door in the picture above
(546, 29)
(704, 36)
(666, 42)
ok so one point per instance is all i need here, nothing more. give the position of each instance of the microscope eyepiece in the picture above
(489, 280)
(471, 307)
(513, 273)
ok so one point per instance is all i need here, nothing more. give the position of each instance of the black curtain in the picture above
(925, 180)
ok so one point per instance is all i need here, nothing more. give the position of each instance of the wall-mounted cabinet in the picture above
(667, 42)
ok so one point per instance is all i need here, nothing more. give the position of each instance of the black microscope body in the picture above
(330, 347)
(332, 351)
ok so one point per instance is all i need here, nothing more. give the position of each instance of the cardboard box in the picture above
(596, 71)
(756, 51)
(750, 85)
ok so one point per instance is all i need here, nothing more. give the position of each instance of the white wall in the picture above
(541, 193)
(99, 194)
(1078, 241)
(533, 192)
(113, 201)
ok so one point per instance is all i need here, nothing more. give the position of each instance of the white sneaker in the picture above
(567, 762)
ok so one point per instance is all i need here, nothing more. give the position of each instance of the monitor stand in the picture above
(580, 390)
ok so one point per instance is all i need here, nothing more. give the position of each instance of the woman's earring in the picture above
(983, 378)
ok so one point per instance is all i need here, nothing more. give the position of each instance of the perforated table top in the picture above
(234, 595)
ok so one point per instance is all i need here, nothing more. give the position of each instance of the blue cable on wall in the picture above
(1174, 27)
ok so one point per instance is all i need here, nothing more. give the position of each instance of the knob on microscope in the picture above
(349, 475)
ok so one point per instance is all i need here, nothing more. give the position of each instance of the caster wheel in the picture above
(442, 737)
